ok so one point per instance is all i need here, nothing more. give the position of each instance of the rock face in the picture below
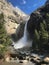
(11, 27)
(34, 23)
(19, 32)
(36, 18)
(13, 16)
(38, 27)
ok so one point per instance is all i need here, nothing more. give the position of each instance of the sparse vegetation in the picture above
(41, 36)
(4, 38)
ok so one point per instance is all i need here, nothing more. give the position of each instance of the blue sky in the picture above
(28, 6)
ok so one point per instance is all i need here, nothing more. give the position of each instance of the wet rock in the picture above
(27, 53)
(32, 60)
(20, 61)
(15, 58)
(35, 56)
(20, 57)
(13, 55)
(25, 61)
(12, 58)
(27, 58)
(19, 32)
(37, 60)
(46, 59)
(43, 62)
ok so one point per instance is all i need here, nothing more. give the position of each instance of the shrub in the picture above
(4, 38)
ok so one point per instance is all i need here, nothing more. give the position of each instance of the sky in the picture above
(28, 6)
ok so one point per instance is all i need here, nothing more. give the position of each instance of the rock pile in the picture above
(29, 56)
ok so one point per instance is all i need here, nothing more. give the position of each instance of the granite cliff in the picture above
(13, 16)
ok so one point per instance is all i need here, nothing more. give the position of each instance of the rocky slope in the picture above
(38, 28)
(12, 16)
(10, 22)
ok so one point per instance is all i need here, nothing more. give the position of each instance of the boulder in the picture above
(46, 59)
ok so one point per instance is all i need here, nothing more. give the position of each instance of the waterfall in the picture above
(24, 41)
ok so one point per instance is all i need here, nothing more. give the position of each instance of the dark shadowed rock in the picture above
(37, 17)
(1, 57)
(38, 27)
(19, 32)
(34, 23)
(20, 61)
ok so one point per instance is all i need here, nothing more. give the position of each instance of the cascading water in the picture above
(24, 41)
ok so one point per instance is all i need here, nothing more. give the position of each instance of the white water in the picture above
(24, 41)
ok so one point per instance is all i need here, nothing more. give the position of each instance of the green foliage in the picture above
(36, 39)
(37, 34)
(4, 38)
(44, 35)
(1, 16)
(41, 37)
